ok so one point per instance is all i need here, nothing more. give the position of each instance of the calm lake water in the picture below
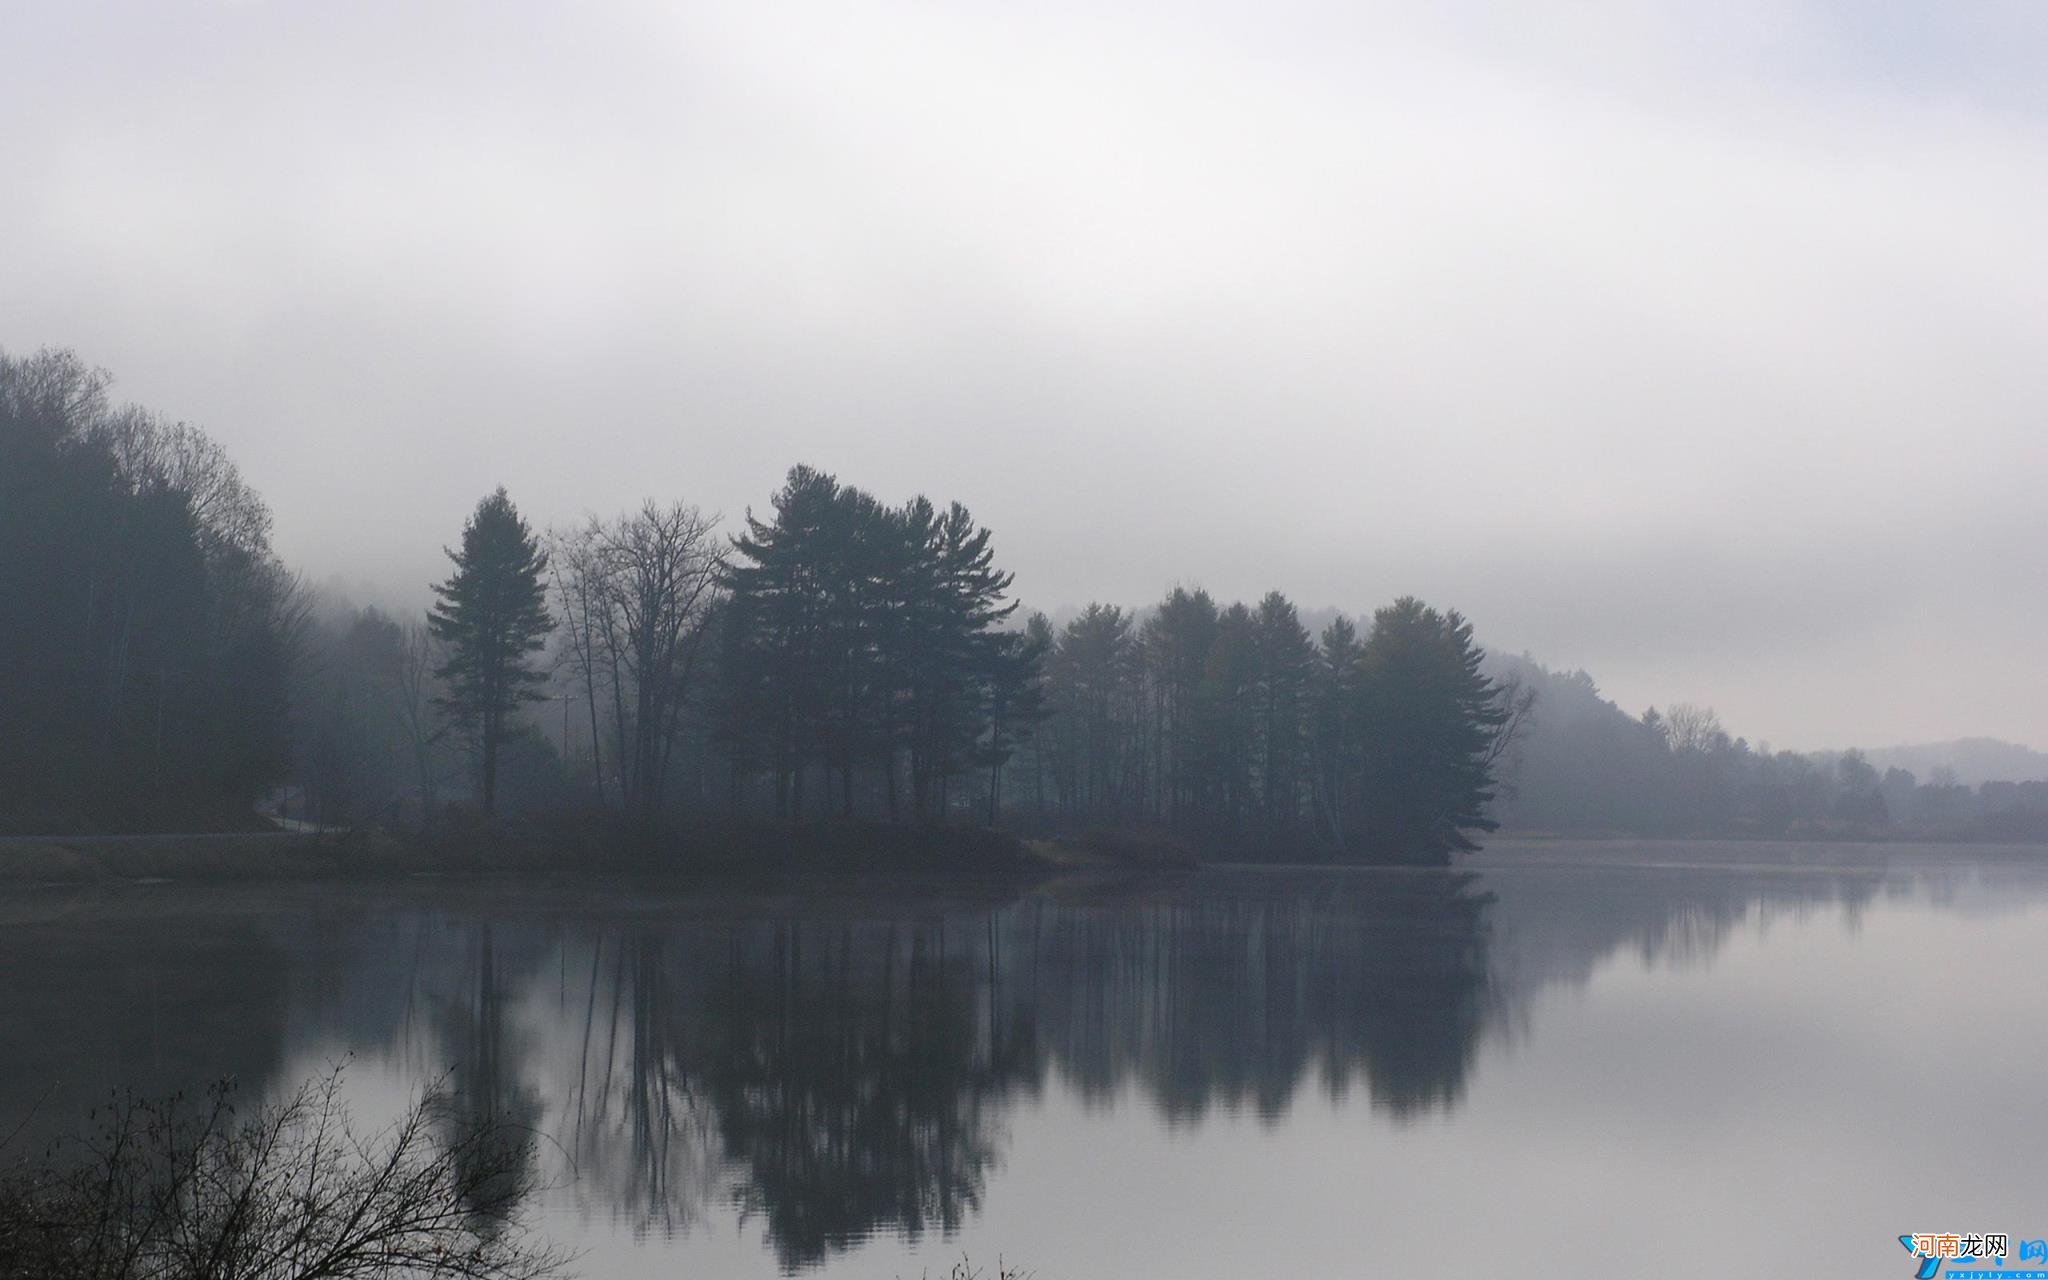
(1563, 1060)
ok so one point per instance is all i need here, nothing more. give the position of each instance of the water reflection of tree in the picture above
(1557, 924)
(843, 1068)
(486, 1090)
(853, 1078)
(1232, 994)
(633, 1119)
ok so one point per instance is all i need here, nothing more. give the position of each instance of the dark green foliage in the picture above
(146, 632)
(1285, 659)
(1095, 694)
(492, 617)
(1232, 726)
(1429, 717)
(1177, 640)
(862, 646)
(1016, 706)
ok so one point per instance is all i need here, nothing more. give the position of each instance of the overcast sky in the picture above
(1700, 345)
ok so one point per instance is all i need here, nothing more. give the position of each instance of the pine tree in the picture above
(866, 636)
(971, 611)
(1229, 727)
(776, 654)
(1177, 640)
(1094, 676)
(1286, 667)
(1014, 704)
(1430, 718)
(492, 615)
(1336, 733)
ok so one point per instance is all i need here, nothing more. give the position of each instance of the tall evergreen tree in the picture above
(1040, 637)
(1430, 716)
(492, 615)
(1014, 703)
(1177, 640)
(965, 613)
(862, 639)
(778, 657)
(1229, 733)
(1336, 734)
(1094, 674)
(1286, 669)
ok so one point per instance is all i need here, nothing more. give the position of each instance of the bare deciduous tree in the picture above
(576, 558)
(177, 455)
(635, 595)
(1517, 702)
(1691, 728)
(418, 657)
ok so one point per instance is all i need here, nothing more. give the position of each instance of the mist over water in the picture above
(1200, 639)
(1253, 1071)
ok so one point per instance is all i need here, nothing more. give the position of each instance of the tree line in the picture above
(843, 657)
(1235, 725)
(834, 656)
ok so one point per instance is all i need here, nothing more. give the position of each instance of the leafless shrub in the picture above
(170, 1189)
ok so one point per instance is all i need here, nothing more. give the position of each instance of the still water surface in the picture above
(1563, 1060)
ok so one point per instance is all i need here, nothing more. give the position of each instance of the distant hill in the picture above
(1975, 760)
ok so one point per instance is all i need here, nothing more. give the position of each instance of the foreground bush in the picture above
(166, 1190)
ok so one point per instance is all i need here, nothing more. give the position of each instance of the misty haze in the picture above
(890, 640)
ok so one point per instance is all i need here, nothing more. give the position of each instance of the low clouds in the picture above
(1697, 347)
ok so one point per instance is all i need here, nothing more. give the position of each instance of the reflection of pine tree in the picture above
(848, 1073)
(487, 1093)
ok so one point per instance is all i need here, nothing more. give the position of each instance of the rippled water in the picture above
(1563, 1060)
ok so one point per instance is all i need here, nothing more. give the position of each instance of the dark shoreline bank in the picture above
(740, 853)
(728, 851)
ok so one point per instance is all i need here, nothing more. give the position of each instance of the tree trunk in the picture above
(490, 762)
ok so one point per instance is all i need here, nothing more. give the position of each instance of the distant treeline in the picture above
(836, 656)
(1586, 766)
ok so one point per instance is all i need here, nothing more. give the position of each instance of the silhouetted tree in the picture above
(1095, 693)
(1015, 705)
(1430, 718)
(1177, 639)
(774, 654)
(1337, 735)
(1286, 664)
(864, 640)
(636, 593)
(492, 615)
